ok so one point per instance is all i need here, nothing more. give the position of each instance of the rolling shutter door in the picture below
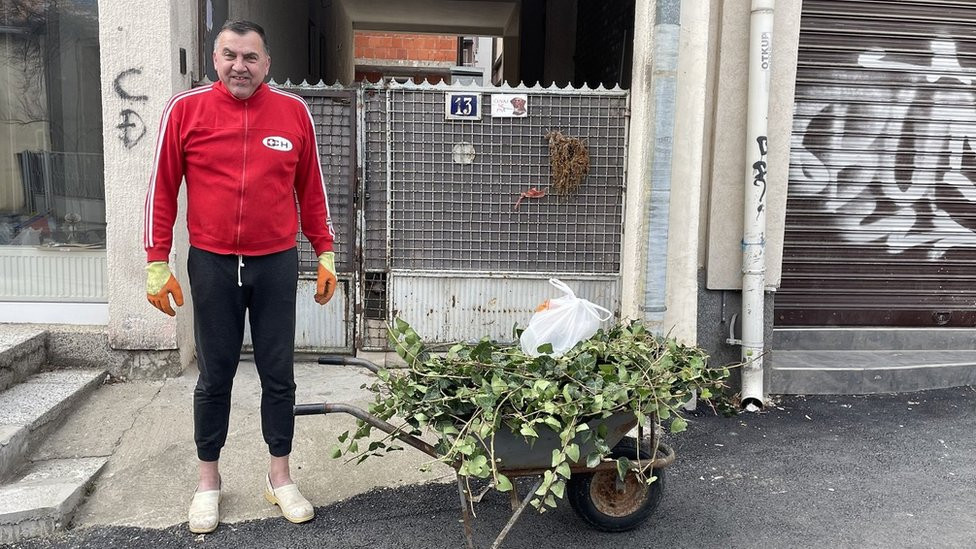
(881, 207)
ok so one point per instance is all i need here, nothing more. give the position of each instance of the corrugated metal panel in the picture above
(881, 208)
(445, 309)
(28, 273)
(318, 328)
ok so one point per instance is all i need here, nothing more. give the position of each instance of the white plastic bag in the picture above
(565, 322)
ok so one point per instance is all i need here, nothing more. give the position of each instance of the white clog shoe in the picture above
(292, 503)
(204, 513)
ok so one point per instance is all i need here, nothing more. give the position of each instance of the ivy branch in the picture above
(464, 397)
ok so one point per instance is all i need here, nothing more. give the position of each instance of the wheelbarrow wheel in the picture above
(611, 506)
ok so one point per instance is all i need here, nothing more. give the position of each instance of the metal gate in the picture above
(882, 192)
(330, 328)
(448, 245)
(427, 219)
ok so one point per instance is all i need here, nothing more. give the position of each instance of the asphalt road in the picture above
(884, 471)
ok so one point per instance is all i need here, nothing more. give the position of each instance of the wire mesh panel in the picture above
(335, 130)
(376, 203)
(455, 185)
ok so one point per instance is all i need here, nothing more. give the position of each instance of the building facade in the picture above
(866, 161)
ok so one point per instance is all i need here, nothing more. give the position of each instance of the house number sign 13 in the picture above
(462, 106)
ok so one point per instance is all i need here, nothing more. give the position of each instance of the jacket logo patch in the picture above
(277, 143)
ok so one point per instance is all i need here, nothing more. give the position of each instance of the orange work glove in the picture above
(160, 283)
(325, 285)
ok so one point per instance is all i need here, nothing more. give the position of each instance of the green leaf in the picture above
(623, 465)
(545, 349)
(546, 482)
(528, 431)
(573, 452)
(678, 424)
(502, 484)
(558, 489)
(343, 436)
(563, 470)
(593, 459)
(497, 385)
(557, 457)
(706, 393)
(383, 374)
(466, 446)
(336, 451)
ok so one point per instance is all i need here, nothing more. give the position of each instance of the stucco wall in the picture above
(724, 253)
(640, 149)
(140, 42)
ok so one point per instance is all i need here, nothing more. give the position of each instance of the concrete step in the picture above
(22, 353)
(31, 410)
(45, 498)
(873, 339)
(865, 372)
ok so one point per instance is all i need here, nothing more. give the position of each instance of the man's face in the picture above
(241, 62)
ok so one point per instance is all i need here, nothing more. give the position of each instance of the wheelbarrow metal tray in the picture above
(514, 452)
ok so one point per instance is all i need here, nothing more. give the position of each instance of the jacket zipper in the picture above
(240, 204)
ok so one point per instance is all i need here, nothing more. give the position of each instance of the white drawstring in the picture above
(240, 263)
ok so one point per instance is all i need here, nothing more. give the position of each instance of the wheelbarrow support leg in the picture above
(513, 498)
(516, 515)
(465, 512)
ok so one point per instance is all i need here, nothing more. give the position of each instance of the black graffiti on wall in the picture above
(132, 128)
(759, 175)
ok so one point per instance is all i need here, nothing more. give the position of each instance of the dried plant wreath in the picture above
(569, 162)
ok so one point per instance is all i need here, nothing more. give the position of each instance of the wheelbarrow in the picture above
(597, 494)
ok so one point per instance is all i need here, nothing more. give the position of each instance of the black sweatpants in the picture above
(267, 291)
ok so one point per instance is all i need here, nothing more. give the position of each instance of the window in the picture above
(52, 192)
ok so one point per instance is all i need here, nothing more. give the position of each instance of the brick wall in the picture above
(406, 47)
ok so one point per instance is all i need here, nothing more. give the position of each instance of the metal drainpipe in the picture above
(664, 75)
(754, 220)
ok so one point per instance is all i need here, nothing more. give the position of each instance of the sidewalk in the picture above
(147, 428)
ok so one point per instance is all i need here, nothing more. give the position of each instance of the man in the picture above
(246, 150)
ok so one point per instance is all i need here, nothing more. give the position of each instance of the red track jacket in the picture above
(244, 161)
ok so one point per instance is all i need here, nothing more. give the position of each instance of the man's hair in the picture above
(242, 27)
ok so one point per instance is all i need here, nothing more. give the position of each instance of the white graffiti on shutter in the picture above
(896, 166)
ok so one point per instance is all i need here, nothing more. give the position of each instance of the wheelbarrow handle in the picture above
(341, 360)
